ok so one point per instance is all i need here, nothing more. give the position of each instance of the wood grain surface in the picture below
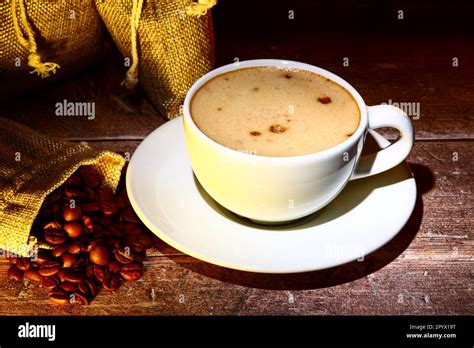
(426, 269)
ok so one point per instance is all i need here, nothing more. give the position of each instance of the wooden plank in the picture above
(392, 69)
(425, 269)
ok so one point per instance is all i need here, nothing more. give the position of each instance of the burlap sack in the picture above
(32, 166)
(40, 38)
(170, 45)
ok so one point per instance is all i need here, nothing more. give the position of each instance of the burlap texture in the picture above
(67, 32)
(174, 49)
(32, 166)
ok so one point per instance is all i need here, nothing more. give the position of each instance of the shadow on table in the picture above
(332, 276)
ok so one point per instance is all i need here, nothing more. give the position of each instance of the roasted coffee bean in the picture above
(88, 287)
(74, 180)
(72, 214)
(42, 257)
(96, 272)
(23, 264)
(124, 255)
(108, 208)
(73, 229)
(69, 260)
(88, 224)
(62, 274)
(112, 282)
(104, 221)
(14, 273)
(131, 272)
(105, 194)
(78, 299)
(99, 255)
(54, 196)
(91, 207)
(68, 286)
(129, 215)
(50, 282)
(72, 192)
(59, 250)
(50, 268)
(91, 179)
(90, 194)
(140, 257)
(114, 231)
(33, 275)
(52, 225)
(76, 247)
(59, 296)
(81, 263)
(114, 266)
(54, 236)
(73, 276)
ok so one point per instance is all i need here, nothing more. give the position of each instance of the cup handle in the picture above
(386, 116)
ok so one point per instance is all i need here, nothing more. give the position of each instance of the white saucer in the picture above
(169, 200)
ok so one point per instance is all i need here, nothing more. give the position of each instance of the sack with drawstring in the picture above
(167, 45)
(40, 39)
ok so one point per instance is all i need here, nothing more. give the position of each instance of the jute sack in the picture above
(33, 165)
(167, 45)
(40, 39)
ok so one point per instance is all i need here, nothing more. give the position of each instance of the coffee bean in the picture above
(62, 274)
(112, 282)
(72, 192)
(105, 194)
(105, 221)
(91, 179)
(49, 268)
(14, 273)
(76, 247)
(108, 208)
(33, 275)
(23, 264)
(96, 272)
(124, 255)
(54, 236)
(131, 272)
(50, 282)
(73, 276)
(73, 229)
(91, 207)
(129, 215)
(88, 224)
(72, 214)
(90, 194)
(99, 255)
(54, 196)
(69, 260)
(114, 266)
(88, 287)
(59, 296)
(59, 250)
(52, 225)
(78, 299)
(42, 257)
(132, 229)
(68, 286)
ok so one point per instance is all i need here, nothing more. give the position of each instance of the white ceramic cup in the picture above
(278, 189)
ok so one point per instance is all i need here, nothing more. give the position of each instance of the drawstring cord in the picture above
(194, 9)
(131, 78)
(34, 59)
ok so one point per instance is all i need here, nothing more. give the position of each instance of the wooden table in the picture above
(426, 269)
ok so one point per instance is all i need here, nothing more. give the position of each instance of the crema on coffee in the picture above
(271, 111)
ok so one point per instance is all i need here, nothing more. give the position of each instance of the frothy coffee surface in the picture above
(270, 111)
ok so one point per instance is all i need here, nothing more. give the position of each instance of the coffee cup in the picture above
(272, 189)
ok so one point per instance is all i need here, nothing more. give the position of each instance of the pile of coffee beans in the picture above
(95, 241)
